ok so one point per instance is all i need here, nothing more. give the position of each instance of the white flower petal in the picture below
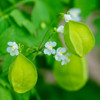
(76, 18)
(53, 51)
(60, 29)
(54, 44)
(67, 17)
(10, 43)
(9, 49)
(63, 50)
(62, 57)
(63, 62)
(47, 51)
(57, 57)
(60, 49)
(50, 44)
(16, 52)
(12, 53)
(47, 44)
(74, 10)
(15, 46)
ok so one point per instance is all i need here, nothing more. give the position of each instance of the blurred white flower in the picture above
(67, 17)
(59, 56)
(66, 59)
(13, 49)
(75, 12)
(49, 48)
(60, 29)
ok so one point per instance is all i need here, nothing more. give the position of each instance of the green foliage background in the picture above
(21, 21)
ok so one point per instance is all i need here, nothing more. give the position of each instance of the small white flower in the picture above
(59, 56)
(60, 29)
(13, 49)
(66, 59)
(49, 48)
(67, 17)
(75, 12)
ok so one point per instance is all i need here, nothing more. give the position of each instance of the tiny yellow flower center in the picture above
(67, 58)
(12, 47)
(50, 47)
(61, 53)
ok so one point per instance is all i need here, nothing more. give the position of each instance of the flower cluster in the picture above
(74, 15)
(13, 48)
(59, 53)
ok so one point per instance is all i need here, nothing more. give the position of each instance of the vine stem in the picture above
(48, 39)
(16, 5)
(40, 46)
(47, 32)
(37, 95)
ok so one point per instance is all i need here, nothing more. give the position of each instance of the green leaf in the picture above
(87, 6)
(22, 21)
(22, 74)
(6, 63)
(66, 1)
(17, 34)
(53, 7)
(12, 1)
(5, 94)
(4, 82)
(40, 14)
(3, 24)
(73, 75)
(29, 26)
(78, 38)
(4, 4)
(18, 17)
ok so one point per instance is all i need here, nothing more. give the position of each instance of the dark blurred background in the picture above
(25, 21)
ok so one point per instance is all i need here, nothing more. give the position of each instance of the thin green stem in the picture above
(35, 56)
(16, 5)
(40, 46)
(47, 32)
(37, 95)
(50, 36)
(44, 36)
(48, 39)
(31, 53)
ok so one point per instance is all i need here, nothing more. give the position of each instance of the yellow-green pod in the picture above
(22, 74)
(73, 75)
(78, 38)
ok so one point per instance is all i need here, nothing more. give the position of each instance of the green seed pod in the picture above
(73, 75)
(78, 38)
(22, 74)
